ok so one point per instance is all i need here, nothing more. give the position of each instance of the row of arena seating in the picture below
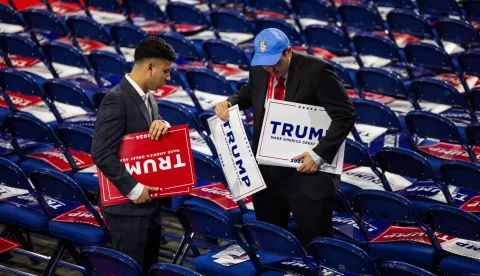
(410, 67)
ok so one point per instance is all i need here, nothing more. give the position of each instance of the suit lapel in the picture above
(132, 93)
(293, 80)
(263, 84)
(154, 106)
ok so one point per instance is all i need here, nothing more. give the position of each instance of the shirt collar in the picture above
(136, 87)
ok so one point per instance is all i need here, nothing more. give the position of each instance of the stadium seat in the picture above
(171, 270)
(409, 26)
(272, 8)
(127, 37)
(360, 17)
(109, 67)
(106, 11)
(294, 36)
(461, 174)
(458, 32)
(12, 22)
(188, 19)
(395, 268)
(147, 15)
(222, 52)
(234, 27)
(439, 8)
(323, 12)
(103, 261)
(44, 25)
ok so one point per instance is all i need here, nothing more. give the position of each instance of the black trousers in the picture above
(282, 196)
(138, 237)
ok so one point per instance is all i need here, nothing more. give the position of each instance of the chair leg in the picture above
(179, 249)
(73, 252)
(26, 243)
(57, 256)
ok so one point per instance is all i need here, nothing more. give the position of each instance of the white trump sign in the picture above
(235, 154)
(290, 129)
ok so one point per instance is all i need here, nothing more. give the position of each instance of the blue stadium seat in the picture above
(395, 268)
(222, 52)
(459, 32)
(472, 10)
(461, 174)
(186, 14)
(360, 17)
(396, 209)
(231, 21)
(184, 48)
(411, 23)
(383, 82)
(44, 25)
(10, 16)
(440, 8)
(171, 270)
(103, 261)
(315, 9)
(294, 36)
(109, 67)
(280, 9)
(460, 224)
(127, 35)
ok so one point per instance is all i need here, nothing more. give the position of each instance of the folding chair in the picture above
(44, 25)
(272, 8)
(205, 222)
(12, 22)
(315, 9)
(439, 8)
(275, 243)
(147, 15)
(294, 36)
(22, 93)
(394, 268)
(80, 139)
(222, 52)
(23, 54)
(66, 7)
(373, 113)
(107, 11)
(396, 209)
(74, 102)
(127, 37)
(234, 27)
(416, 170)
(53, 184)
(171, 270)
(360, 17)
(399, 4)
(403, 21)
(471, 8)
(90, 35)
(6, 149)
(187, 19)
(345, 77)
(468, 62)
(110, 68)
(461, 174)
(95, 259)
(342, 256)
(184, 48)
(459, 32)
(25, 126)
(459, 224)
(473, 137)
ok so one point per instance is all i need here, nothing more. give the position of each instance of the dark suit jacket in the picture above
(312, 81)
(122, 112)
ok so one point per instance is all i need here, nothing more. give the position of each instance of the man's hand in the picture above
(145, 195)
(308, 165)
(157, 128)
(221, 110)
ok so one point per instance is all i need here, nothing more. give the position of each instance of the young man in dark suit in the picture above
(295, 77)
(130, 108)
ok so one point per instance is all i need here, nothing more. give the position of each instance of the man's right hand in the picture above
(221, 110)
(145, 195)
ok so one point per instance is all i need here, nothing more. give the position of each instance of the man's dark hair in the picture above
(154, 47)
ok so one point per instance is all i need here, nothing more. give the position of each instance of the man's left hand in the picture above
(157, 128)
(308, 165)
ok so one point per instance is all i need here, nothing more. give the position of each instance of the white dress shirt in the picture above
(138, 189)
(314, 156)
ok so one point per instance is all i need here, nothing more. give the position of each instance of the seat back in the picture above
(182, 13)
(390, 207)
(106, 5)
(86, 28)
(10, 16)
(441, 7)
(19, 82)
(409, 22)
(273, 239)
(329, 38)
(76, 137)
(171, 270)
(429, 56)
(222, 52)
(356, 154)
(342, 256)
(343, 75)
(41, 20)
(473, 134)
(436, 91)
(394, 268)
(127, 35)
(360, 16)
(376, 114)
(228, 20)
(404, 4)
(381, 81)
(175, 79)
(461, 174)
(316, 9)
(147, 9)
(18, 45)
(65, 54)
(454, 222)
(12, 176)
(183, 47)
(208, 81)
(458, 31)
(67, 92)
(176, 114)
(404, 162)
(279, 7)
(207, 169)
(469, 62)
(376, 45)
(472, 9)
(106, 62)
(103, 261)
(430, 125)
(288, 29)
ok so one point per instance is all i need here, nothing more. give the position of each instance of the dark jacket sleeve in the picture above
(109, 131)
(243, 97)
(339, 107)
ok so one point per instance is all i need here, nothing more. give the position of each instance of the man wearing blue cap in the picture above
(279, 73)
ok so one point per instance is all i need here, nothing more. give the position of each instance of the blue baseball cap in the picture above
(269, 45)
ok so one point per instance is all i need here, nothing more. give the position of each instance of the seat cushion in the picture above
(459, 265)
(418, 254)
(251, 216)
(233, 215)
(205, 264)
(76, 232)
(23, 217)
(87, 181)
